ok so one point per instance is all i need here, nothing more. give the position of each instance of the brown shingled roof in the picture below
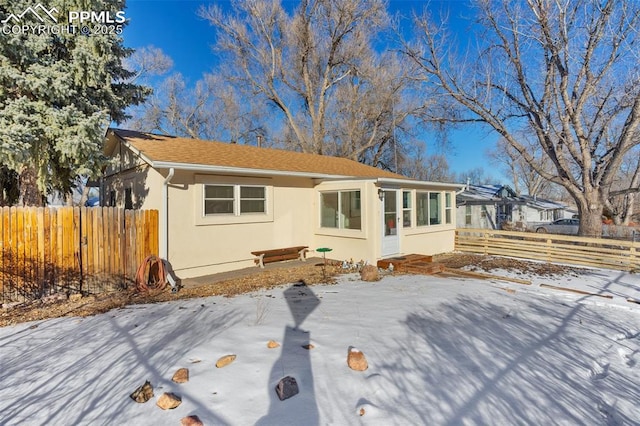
(170, 149)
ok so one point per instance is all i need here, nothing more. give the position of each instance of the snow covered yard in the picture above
(440, 351)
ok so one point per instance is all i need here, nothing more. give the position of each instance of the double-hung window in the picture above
(406, 209)
(340, 209)
(252, 199)
(448, 208)
(234, 200)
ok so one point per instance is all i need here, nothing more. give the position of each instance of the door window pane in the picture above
(390, 214)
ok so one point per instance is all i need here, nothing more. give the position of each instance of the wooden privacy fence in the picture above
(45, 251)
(595, 252)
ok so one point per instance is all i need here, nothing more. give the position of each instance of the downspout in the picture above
(164, 217)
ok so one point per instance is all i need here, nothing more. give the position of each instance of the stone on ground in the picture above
(143, 393)
(225, 360)
(191, 421)
(168, 401)
(369, 273)
(181, 376)
(286, 388)
(356, 360)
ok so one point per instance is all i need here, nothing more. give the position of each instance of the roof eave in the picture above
(130, 146)
(241, 170)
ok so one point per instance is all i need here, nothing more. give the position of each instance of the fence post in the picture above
(486, 243)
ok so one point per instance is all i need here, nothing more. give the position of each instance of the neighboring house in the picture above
(218, 202)
(491, 206)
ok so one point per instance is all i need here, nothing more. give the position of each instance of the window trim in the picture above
(201, 180)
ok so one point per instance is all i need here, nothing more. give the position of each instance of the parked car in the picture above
(560, 226)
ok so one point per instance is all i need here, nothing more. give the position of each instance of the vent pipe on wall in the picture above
(164, 217)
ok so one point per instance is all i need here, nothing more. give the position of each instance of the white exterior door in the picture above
(390, 223)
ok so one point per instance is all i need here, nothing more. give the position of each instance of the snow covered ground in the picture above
(441, 351)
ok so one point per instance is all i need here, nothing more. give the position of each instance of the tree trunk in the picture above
(10, 192)
(30, 194)
(590, 211)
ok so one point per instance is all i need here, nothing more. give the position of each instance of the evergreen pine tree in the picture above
(59, 90)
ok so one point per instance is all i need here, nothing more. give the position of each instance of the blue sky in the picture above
(175, 27)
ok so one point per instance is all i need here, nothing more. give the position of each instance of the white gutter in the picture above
(412, 182)
(164, 217)
(240, 170)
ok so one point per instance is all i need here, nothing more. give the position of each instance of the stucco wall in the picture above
(435, 241)
(145, 184)
(199, 247)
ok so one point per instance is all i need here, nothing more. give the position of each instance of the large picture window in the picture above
(340, 209)
(234, 199)
(428, 208)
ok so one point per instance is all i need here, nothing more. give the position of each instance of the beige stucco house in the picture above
(218, 202)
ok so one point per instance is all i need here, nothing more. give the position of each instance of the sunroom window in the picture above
(406, 209)
(340, 209)
(448, 208)
(428, 208)
(434, 208)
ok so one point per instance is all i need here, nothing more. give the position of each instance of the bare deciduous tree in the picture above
(148, 61)
(623, 206)
(318, 66)
(476, 176)
(564, 71)
(433, 168)
(211, 109)
(524, 177)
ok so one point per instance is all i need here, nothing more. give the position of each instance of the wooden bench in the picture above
(276, 255)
